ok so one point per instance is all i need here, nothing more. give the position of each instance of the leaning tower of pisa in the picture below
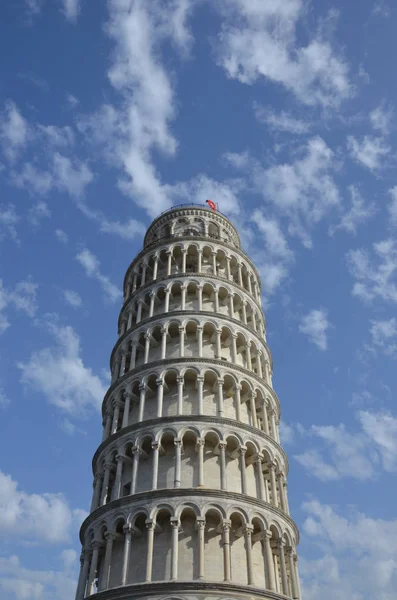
(190, 494)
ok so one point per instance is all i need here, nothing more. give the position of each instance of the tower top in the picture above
(192, 220)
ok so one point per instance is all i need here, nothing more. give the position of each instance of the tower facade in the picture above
(190, 498)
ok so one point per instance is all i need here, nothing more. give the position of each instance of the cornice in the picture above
(136, 427)
(196, 589)
(170, 493)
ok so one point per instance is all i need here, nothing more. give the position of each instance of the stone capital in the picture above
(200, 523)
(226, 525)
(175, 523)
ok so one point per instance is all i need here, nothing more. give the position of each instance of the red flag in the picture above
(211, 204)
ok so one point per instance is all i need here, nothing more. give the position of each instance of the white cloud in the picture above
(315, 325)
(30, 178)
(282, 121)
(71, 9)
(384, 335)
(341, 454)
(36, 517)
(358, 213)
(355, 555)
(71, 177)
(72, 298)
(128, 135)
(91, 265)
(275, 256)
(381, 429)
(128, 229)
(259, 39)
(375, 275)
(8, 221)
(72, 387)
(61, 236)
(14, 131)
(304, 191)
(4, 400)
(29, 584)
(393, 205)
(381, 118)
(370, 151)
(38, 212)
(72, 100)
(23, 298)
(56, 137)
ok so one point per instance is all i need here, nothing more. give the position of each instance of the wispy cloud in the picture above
(315, 325)
(338, 453)
(72, 298)
(370, 151)
(282, 121)
(264, 46)
(375, 274)
(91, 266)
(358, 213)
(72, 387)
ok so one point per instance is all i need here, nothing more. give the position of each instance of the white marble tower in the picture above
(190, 498)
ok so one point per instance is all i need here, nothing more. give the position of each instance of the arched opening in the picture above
(192, 259)
(212, 467)
(258, 553)
(191, 342)
(162, 547)
(210, 391)
(117, 554)
(213, 554)
(145, 467)
(189, 470)
(170, 399)
(238, 558)
(190, 393)
(250, 470)
(208, 298)
(229, 397)
(187, 546)
(233, 472)
(166, 471)
(137, 570)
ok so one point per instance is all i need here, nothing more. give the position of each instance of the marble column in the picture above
(150, 525)
(270, 574)
(160, 396)
(242, 451)
(174, 548)
(222, 454)
(126, 554)
(248, 547)
(155, 448)
(200, 443)
(200, 393)
(283, 567)
(178, 463)
(109, 537)
(200, 526)
(226, 524)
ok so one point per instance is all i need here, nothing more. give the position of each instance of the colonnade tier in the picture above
(190, 479)
(213, 537)
(188, 336)
(190, 457)
(191, 256)
(184, 390)
(194, 295)
(198, 221)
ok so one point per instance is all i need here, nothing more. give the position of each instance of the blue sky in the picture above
(284, 114)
